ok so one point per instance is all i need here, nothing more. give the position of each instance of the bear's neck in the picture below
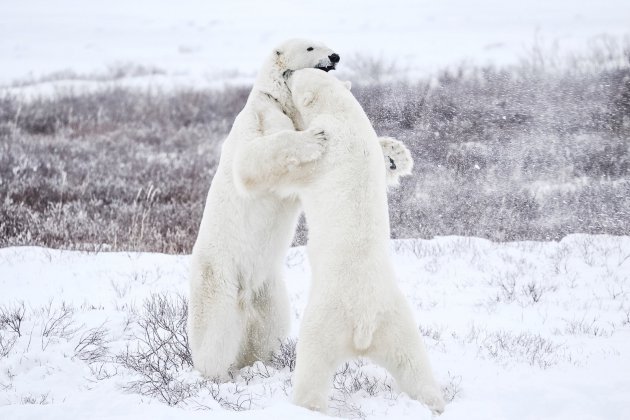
(271, 83)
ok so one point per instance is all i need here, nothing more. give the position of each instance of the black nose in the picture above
(334, 58)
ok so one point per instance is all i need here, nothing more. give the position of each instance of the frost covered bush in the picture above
(509, 154)
(11, 319)
(533, 151)
(93, 345)
(285, 356)
(160, 351)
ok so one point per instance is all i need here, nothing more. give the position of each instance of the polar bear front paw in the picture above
(398, 160)
(312, 147)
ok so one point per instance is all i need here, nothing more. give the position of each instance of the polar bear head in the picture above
(315, 92)
(296, 54)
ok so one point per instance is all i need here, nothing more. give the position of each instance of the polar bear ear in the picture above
(308, 98)
(347, 84)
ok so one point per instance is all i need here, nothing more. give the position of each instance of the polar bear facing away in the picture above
(355, 307)
(238, 307)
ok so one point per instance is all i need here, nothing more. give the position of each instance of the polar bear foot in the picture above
(311, 401)
(432, 397)
(398, 160)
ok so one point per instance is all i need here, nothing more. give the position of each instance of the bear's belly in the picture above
(252, 234)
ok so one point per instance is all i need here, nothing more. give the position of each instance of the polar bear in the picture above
(355, 307)
(238, 305)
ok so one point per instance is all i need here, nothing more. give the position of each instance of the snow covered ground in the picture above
(525, 330)
(208, 43)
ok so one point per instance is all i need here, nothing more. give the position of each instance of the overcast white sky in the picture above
(217, 38)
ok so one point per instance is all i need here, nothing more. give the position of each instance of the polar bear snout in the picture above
(330, 63)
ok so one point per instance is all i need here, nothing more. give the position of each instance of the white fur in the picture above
(355, 307)
(238, 309)
(239, 306)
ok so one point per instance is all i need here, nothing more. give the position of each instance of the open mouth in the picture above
(326, 68)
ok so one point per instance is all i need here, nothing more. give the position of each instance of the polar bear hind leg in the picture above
(268, 322)
(398, 347)
(320, 350)
(215, 327)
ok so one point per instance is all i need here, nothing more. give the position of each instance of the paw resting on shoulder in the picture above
(398, 160)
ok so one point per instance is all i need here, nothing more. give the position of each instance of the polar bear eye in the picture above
(309, 49)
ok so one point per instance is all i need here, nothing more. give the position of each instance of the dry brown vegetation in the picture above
(526, 152)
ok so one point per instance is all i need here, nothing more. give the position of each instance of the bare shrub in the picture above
(163, 325)
(351, 380)
(534, 291)
(11, 318)
(162, 362)
(256, 371)
(161, 352)
(93, 345)
(506, 285)
(230, 396)
(433, 333)
(57, 323)
(522, 347)
(41, 399)
(582, 326)
(453, 388)
(7, 342)
(285, 355)
(154, 379)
